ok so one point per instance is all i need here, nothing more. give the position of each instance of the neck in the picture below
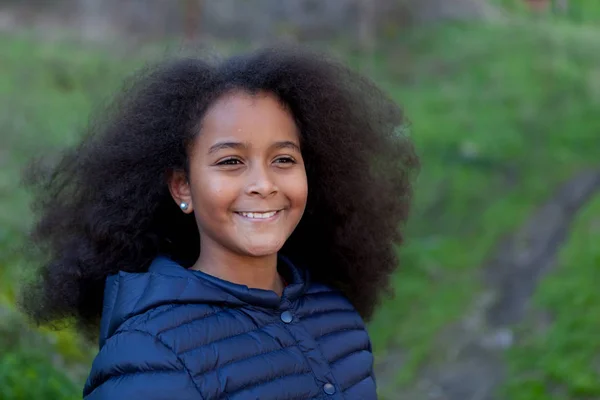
(254, 272)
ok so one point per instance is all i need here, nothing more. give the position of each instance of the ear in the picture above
(179, 187)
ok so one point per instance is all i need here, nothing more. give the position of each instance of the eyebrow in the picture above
(226, 145)
(286, 144)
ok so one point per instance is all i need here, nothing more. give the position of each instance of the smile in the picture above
(258, 215)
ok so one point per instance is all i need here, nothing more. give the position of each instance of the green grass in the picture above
(47, 93)
(578, 11)
(494, 110)
(562, 361)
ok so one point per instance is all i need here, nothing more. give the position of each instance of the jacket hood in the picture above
(167, 282)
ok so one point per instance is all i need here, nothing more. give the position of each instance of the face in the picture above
(247, 182)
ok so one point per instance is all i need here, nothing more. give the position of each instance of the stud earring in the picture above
(184, 206)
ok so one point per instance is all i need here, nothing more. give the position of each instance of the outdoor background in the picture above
(498, 293)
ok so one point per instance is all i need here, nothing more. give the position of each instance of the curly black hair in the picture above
(104, 205)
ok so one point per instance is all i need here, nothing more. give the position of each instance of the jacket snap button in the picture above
(329, 388)
(287, 317)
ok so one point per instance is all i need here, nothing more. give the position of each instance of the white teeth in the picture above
(258, 215)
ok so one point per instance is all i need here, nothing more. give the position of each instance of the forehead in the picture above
(242, 116)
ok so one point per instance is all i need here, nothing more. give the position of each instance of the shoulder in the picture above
(327, 298)
(134, 345)
(134, 363)
(168, 317)
(328, 311)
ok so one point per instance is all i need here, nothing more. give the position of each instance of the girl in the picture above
(232, 224)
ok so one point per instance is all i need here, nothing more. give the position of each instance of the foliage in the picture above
(560, 361)
(578, 11)
(29, 375)
(49, 90)
(28, 368)
(494, 109)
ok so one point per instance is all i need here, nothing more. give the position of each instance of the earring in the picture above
(184, 206)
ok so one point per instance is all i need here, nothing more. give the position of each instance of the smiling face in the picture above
(247, 182)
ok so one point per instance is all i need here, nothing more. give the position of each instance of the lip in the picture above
(271, 218)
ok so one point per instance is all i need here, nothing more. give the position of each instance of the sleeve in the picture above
(137, 365)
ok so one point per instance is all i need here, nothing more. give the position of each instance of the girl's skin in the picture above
(246, 159)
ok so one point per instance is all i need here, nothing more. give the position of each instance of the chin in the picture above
(262, 249)
(261, 252)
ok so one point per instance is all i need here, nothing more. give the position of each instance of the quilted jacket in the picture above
(174, 333)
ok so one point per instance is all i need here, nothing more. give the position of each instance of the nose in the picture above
(260, 182)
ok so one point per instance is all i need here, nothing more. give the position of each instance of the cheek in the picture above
(297, 189)
(213, 195)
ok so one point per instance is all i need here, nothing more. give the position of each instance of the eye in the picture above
(285, 160)
(230, 161)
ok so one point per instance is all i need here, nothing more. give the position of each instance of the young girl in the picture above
(233, 224)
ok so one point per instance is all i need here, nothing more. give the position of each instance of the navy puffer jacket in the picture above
(174, 333)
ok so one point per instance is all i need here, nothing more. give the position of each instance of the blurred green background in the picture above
(497, 294)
